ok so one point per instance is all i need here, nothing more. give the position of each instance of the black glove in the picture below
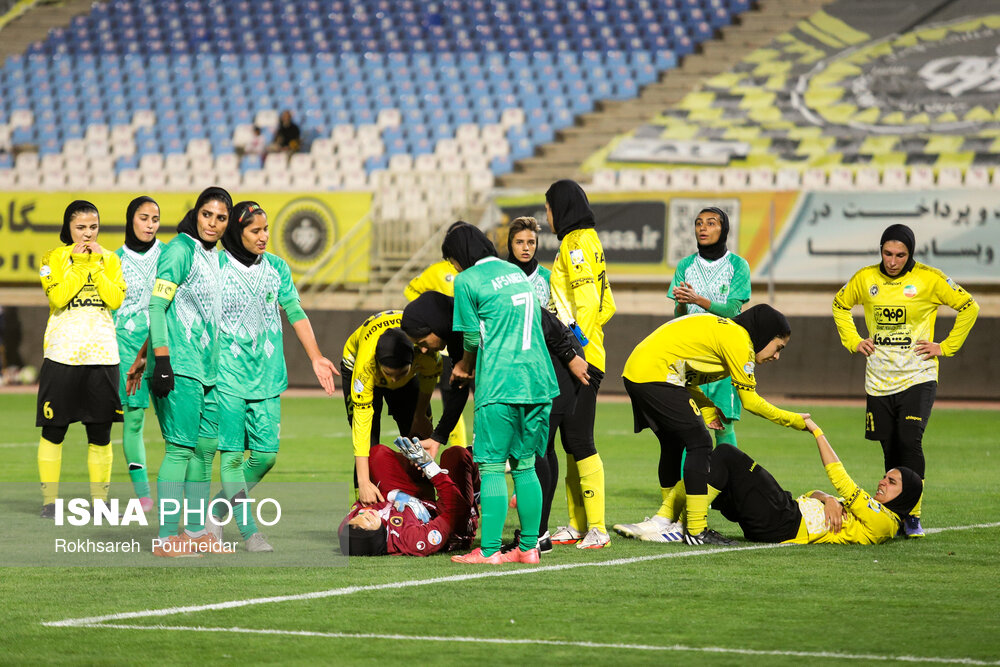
(162, 382)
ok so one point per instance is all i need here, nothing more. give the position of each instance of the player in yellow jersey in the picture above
(79, 377)
(662, 378)
(745, 493)
(900, 298)
(381, 364)
(581, 297)
(440, 277)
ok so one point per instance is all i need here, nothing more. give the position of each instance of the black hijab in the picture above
(467, 245)
(356, 541)
(570, 208)
(913, 488)
(75, 206)
(132, 241)
(431, 312)
(394, 349)
(232, 238)
(529, 266)
(764, 324)
(189, 225)
(904, 235)
(714, 251)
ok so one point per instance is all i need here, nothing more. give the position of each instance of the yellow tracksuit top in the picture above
(581, 291)
(899, 312)
(82, 290)
(697, 349)
(438, 277)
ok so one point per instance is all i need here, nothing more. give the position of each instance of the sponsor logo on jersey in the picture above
(576, 256)
(951, 283)
(890, 314)
(396, 521)
(910, 291)
(913, 418)
(873, 290)
(449, 278)
(434, 537)
(45, 271)
(874, 505)
(748, 368)
(359, 386)
(421, 546)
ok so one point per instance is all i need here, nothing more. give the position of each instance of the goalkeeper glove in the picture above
(575, 328)
(415, 454)
(162, 382)
(402, 500)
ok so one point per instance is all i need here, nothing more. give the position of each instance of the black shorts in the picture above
(752, 498)
(902, 415)
(662, 406)
(68, 394)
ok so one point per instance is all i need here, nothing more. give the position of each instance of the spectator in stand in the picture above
(287, 137)
(257, 146)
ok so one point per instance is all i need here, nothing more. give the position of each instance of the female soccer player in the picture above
(745, 493)
(662, 378)
(522, 244)
(252, 371)
(901, 297)
(499, 315)
(138, 259)
(380, 364)
(79, 377)
(713, 280)
(183, 335)
(582, 298)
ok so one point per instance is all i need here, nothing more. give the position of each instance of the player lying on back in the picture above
(745, 493)
(410, 521)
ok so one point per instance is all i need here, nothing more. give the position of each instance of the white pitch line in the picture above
(556, 642)
(349, 590)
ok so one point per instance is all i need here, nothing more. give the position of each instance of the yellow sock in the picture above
(574, 496)
(713, 493)
(679, 500)
(457, 437)
(49, 465)
(697, 514)
(591, 471)
(667, 506)
(99, 465)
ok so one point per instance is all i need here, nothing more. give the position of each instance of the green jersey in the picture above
(184, 308)
(539, 280)
(725, 282)
(495, 299)
(132, 318)
(251, 356)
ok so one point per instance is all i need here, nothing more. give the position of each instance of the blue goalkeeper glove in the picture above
(402, 500)
(414, 453)
(575, 328)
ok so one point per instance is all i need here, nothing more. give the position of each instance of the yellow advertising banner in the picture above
(648, 233)
(304, 227)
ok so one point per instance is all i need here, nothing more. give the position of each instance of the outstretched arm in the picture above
(322, 367)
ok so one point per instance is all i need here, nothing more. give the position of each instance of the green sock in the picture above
(197, 483)
(234, 487)
(135, 450)
(727, 434)
(256, 466)
(170, 486)
(493, 499)
(529, 501)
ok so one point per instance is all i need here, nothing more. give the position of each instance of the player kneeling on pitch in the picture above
(747, 494)
(410, 521)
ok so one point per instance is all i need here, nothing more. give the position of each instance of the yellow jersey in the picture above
(82, 290)
(899, 312)
(438, 277)
(697, 349)
(580, 290)
(359, 358)
(866, 521)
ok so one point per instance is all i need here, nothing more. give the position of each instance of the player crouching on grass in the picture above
(745, 493)
(410, 522)
(662, 378)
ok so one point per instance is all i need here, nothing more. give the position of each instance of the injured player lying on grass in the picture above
(745, 493)
(411, 521)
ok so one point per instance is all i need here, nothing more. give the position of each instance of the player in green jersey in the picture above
(498, 313)
(252, 371)
(138, 257)
(183, 328)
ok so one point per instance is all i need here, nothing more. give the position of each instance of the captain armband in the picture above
(164, 289)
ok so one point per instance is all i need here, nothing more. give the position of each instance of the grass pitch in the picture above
(935, 600)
